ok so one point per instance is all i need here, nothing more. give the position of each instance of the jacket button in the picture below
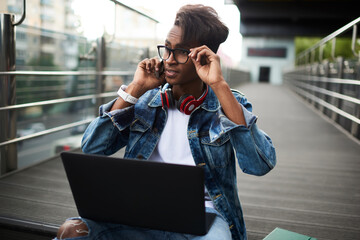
(155, 130)
(140, 156)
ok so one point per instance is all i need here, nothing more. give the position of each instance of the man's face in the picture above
(175, 73)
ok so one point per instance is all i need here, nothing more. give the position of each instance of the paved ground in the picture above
(313, 190)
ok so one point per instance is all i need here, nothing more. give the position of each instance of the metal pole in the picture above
(8, 154)
(100, 65)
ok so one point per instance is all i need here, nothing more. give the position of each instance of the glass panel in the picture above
(53, 38)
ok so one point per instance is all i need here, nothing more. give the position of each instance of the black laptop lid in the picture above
(138, 193)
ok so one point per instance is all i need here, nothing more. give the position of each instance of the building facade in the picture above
(266, 58)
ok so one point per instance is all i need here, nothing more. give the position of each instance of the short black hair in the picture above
(201, 25)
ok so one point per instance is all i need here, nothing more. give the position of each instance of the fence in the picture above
(331, 86)
(61, 103)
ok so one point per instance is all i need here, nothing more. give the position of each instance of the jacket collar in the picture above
(156, 100)
(211, 103)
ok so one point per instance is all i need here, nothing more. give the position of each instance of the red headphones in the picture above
(186, 103)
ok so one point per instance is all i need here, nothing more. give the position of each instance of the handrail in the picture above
(68, 73)
(336, 98)
(325, 79)
(134, 10)
(328, 105)
(22, 16)
(46, 132)
(64, 73)
(60, 100)
(329, 93)
(329, 37)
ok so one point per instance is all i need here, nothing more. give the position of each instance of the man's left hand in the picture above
(207, 65)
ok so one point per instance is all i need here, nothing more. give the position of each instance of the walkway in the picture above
(313, 190)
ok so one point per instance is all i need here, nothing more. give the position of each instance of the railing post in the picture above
(8, 153)
(100, 65)
(355, 128)
(327, 86)
(340, 89)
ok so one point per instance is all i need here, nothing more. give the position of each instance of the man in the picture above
(195, 119)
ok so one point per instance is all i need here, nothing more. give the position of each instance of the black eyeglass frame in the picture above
(172, 51)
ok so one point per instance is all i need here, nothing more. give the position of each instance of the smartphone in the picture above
(161, 70)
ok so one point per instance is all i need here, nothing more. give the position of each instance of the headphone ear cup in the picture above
(183, 103)
(187, 103)
(167, 99)
(164, 100)
(170, 97)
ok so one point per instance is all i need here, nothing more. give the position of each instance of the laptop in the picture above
(138, 193)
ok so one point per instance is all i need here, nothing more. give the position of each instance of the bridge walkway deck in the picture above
(313, 190)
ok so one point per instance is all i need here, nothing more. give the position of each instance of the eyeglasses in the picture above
(180, 55)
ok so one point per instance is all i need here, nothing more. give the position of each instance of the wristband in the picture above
(125, 96)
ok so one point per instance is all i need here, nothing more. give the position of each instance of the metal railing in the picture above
(332, 85)
(11, 109)
(95, 97)
(92, 93)
(9, 139)
(7, 87)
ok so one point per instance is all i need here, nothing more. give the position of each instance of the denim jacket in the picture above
(212, 137)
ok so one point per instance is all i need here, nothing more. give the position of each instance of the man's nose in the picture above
(171, 59)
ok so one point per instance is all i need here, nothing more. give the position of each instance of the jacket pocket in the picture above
(217, 152)
(137, 130)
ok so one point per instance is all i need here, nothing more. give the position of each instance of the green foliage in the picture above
(342, 47)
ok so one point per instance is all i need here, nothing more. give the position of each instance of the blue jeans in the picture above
(104, 231)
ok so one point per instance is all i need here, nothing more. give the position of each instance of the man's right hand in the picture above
(145, 76)
(144, 80)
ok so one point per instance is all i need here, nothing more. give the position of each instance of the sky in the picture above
(99, 16)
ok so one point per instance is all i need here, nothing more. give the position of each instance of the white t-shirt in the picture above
(173, 145)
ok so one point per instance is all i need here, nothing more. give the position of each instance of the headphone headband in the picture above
(186, 104)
